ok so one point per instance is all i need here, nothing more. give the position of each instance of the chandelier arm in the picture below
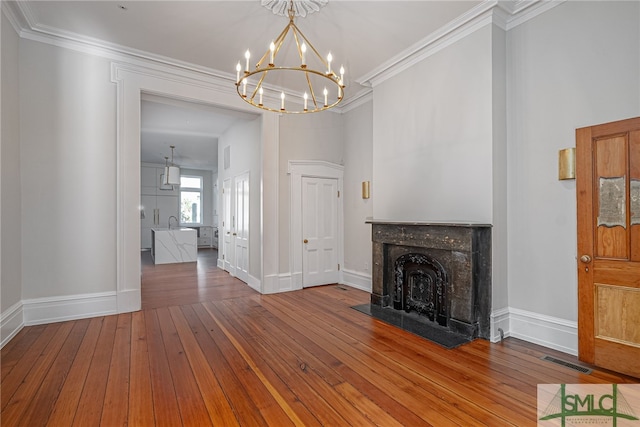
(278, 42)
(295, 37)
(313, 95)
(326, 64)
(253, 95)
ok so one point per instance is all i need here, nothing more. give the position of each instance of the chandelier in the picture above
(311, 83)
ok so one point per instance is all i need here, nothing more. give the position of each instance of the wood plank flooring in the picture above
(208, 350)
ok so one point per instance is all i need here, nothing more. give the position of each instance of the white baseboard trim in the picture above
(11, 322)
(356, 280)
(558, 334)
(129, 300)
(276, 283)
(38, 311)
(254, 283)
(499, 320)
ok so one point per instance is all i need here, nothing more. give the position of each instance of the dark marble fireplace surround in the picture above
(463, 254)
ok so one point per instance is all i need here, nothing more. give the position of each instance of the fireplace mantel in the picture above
(464, 250)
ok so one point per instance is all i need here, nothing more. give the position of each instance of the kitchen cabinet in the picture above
(156, 204)
(205, 236)
(157, 211)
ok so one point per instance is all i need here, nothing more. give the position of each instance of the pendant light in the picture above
(171, 171)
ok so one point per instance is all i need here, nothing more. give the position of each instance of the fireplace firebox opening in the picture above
(421, 286)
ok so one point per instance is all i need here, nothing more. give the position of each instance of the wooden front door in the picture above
(608, 193)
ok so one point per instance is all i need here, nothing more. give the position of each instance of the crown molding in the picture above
(504, 14)
(16, 18)
(354, 101)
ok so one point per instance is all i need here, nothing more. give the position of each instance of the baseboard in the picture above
(254, 283)
(500, 322)
(129, 300)
(356, 280)
(276, 283)
(558, 334)
(59, 309)
(11, 322)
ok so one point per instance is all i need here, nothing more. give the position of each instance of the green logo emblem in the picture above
(587, 406)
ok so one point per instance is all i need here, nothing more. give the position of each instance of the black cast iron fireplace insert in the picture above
(421, 285)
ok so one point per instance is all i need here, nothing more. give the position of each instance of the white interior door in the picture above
(227, 247)
(241, 233)
(319, 231)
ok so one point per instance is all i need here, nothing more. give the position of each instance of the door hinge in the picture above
(338, 267)
(338, 193)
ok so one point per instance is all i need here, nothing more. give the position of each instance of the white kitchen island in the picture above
(173, 245)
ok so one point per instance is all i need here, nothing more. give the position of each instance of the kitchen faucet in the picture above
(170, 221)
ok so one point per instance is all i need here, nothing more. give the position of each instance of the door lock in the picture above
(585, 258)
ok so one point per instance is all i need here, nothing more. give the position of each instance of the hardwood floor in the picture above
(206, 349)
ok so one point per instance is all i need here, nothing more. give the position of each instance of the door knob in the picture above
(305, 241)
(235, 234)
(585, 258)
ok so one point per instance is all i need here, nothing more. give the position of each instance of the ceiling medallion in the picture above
(300, 7)
(262, 86)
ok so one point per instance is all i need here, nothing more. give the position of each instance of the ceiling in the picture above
(213, 36)
(192, 128)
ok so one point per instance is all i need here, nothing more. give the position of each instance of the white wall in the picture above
(68, 167)
(358, 162)
(573, 66)
(316, 136)
(432, 137)
(11, 202)
(466, 146)
(244, 142)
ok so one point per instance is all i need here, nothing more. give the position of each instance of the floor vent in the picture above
(342, 288)
(569, 365)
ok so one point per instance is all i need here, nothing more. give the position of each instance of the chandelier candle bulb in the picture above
(305, 101)
(282, 101)
(244, 87)
(303, 55)
(247, 55)
(272, 48)
(329, 59)
(261, 91)
(341, 76)
(326, 92)
(238, 69)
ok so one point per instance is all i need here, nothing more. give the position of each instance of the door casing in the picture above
(318, 169)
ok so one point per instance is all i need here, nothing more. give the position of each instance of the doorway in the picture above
(320, 231)
(131, 81)
(324, 180)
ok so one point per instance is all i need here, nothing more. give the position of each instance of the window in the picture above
(190, 200)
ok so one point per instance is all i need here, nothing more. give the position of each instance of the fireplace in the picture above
(439, 273)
